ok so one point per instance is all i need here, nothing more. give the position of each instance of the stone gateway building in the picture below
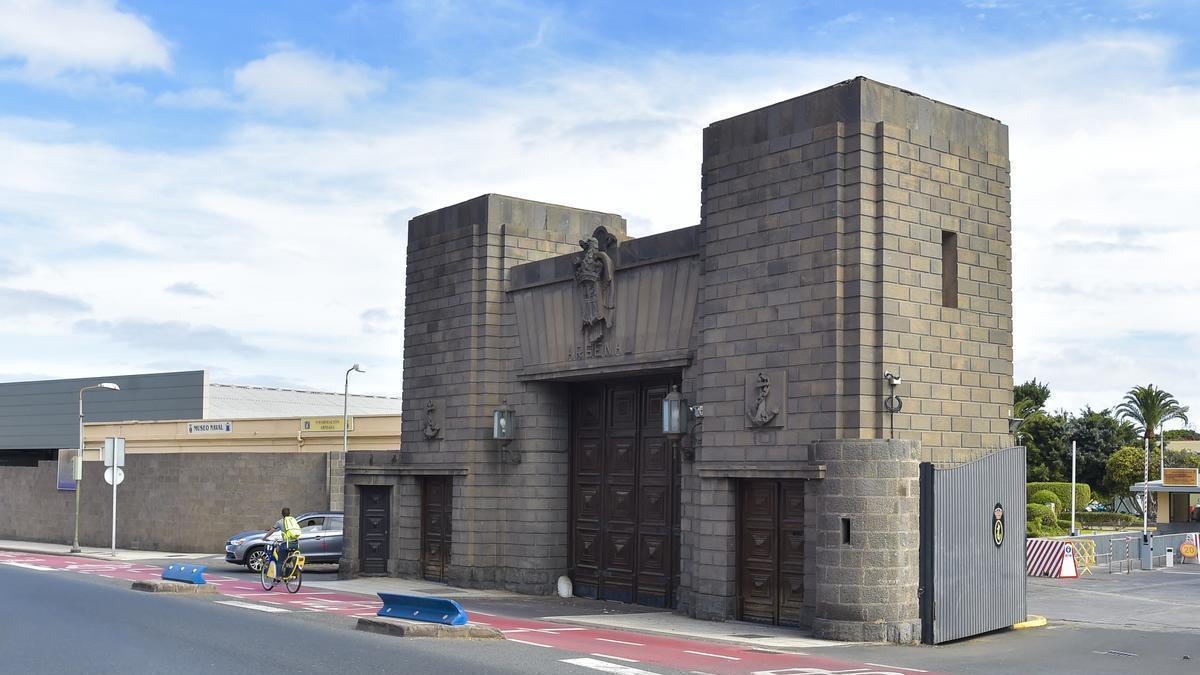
(853, 245)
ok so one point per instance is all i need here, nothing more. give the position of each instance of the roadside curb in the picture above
(162, 586)
(419, 629)
(1033, 621)
(714, 639)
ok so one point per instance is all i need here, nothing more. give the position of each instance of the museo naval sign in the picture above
(210, 427)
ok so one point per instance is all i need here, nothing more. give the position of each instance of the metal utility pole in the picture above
(79, 472)
(346, 407)
(1146, 490)
(1074, 533)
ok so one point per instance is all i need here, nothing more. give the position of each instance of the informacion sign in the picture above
(66, 468)
(330, 423)
(210, 427)
(1179, 477)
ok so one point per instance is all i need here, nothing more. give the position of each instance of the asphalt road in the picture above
(55, 622)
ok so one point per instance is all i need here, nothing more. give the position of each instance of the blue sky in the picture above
(225, 185)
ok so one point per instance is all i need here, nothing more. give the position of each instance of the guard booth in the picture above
(972, 546)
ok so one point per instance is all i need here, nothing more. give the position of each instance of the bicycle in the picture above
(292, 568)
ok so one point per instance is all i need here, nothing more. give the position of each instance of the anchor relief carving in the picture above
(763, 397)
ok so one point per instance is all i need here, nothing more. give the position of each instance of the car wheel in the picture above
(256, 558)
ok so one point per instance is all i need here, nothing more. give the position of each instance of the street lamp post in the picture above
(346, 407)
(79, 458)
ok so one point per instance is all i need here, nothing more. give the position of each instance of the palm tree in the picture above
(1149, 407)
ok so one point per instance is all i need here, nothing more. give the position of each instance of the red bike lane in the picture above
(601, 647)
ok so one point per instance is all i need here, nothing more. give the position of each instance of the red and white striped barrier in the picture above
(1043, 557)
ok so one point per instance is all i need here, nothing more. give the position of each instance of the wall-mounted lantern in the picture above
(676, 414)
(673, 413)
(504, 430)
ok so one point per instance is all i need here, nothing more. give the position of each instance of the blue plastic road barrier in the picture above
(188, 574)
(422, 608)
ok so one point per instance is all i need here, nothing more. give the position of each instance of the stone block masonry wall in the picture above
(822, 229)
(168, 502)
(866, 588)
(461, 351)
(955, 353)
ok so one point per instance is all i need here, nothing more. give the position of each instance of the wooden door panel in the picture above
(375, 527)
(771, 551)
(436, 515)
(791, 552)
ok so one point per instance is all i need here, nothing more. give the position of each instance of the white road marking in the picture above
(884, 665)
(29, 566)
(618, 658)
(532, 644)
(606, 667)
(715, 656)
(622, 642)
(250, 605)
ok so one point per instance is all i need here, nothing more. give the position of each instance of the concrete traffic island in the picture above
(165, 586)
(385, 625)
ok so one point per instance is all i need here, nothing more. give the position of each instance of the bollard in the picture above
(1170, 557)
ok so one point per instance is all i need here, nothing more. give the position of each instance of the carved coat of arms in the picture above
(597, 290)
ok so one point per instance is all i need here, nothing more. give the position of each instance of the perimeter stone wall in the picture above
(168, 502)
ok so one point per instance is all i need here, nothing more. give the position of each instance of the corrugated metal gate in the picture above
(972, 546)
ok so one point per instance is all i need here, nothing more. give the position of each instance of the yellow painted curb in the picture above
(1034, 621)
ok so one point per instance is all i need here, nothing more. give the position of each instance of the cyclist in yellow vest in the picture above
(289, 530)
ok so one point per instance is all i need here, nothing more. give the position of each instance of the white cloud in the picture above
(200, 97)
(52, 37)
(293, 79)
(299, 231)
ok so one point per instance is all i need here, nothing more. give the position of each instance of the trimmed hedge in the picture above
(1047, 497)
(1106, 519)
(1083, 493)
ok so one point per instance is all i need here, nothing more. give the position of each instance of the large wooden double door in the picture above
(624, 489)
(771, 551)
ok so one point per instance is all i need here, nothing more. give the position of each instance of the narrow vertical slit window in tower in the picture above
(950, 269)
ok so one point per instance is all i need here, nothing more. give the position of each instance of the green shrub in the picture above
(1047, 497)
(1083, 493)
(1064, 524)
(1037, 528)
(1039, 513)
(1106, 519)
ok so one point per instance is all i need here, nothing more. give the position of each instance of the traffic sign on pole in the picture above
(114, 459)
(114, 451)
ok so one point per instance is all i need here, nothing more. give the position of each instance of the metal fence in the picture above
(1123, 552)
(973, 572)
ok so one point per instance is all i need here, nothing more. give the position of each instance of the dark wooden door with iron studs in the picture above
(624, 499)
(436, 516)
(375, 528)
(771, 551)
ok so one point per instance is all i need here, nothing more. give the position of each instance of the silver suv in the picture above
(320, 541)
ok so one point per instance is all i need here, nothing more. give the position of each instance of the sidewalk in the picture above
(573, 611)
(124, 555)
